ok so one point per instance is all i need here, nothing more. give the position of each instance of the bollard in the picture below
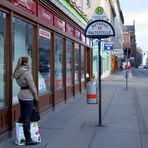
(91, 88)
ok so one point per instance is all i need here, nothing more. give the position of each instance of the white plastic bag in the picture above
(129, 74)
(34, 129)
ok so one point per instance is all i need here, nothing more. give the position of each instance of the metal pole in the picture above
(99, 82)
(127, 70)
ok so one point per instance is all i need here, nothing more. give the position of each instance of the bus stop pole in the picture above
(99, 82)
(127, 70)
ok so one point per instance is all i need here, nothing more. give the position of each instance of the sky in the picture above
(137, 10)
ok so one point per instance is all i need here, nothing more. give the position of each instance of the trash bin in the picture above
(91, 88)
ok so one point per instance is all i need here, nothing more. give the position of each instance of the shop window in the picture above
(44, 62)
(22, 46)
(103, 68)
(76, 62)
(2, 56)
(82, 63)
(95, 62)
(69, 49)
(107, 62)
(58, 62)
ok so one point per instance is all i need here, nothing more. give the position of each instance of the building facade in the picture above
(139, 56)
(60, 56)
(118, 39)
(111, 60)
(130, 42)
(109, 15)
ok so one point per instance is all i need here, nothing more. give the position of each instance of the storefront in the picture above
(59, 54)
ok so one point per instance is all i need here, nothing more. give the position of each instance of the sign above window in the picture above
(77, 34)
(69, 29)
(28, 5)
(45, 15)
(82, 38)
(44, 33)
(59, 23)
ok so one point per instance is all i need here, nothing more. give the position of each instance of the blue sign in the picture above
(108, 46)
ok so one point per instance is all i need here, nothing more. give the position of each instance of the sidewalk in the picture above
(75, 124)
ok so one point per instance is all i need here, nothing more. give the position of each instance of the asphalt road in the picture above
(140, 74)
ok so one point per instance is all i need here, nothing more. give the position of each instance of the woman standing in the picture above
(27, 96)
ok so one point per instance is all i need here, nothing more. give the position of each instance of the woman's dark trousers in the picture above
(26, 107)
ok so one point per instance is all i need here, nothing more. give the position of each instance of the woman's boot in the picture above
(27, 134)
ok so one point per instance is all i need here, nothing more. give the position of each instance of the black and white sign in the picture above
(99, 29)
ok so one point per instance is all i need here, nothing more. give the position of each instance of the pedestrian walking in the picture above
(128, 70)
(27, 96)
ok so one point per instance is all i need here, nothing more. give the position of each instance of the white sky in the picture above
(137, 10)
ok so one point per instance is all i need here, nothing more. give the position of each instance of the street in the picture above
(124, 117)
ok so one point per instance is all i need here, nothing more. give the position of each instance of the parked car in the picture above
(145, 66)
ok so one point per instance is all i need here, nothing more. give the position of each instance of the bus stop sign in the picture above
(99, 29)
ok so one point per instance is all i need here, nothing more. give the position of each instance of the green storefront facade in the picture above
(105, 61)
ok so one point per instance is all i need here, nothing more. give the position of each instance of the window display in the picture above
(76, 62)
(44, 61)
(82, 63)
(22, 46)
(2, 56)
(59, 62)
(69, 48)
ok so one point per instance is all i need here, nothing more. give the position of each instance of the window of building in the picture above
(82, 63)
(2, 59)
(22, 46)
(44, 75)
(89, 3)
(69, 49)
(76, 62)
(59, 42)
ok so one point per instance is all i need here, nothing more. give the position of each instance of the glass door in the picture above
(69, 49)
(44, 74)
(76, 62)
(2, 60)
(59, 42)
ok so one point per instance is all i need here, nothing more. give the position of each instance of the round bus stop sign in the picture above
(99, 29)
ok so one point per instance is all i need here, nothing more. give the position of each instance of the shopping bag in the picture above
(20, 139)
(34, 130)
(129, 74)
